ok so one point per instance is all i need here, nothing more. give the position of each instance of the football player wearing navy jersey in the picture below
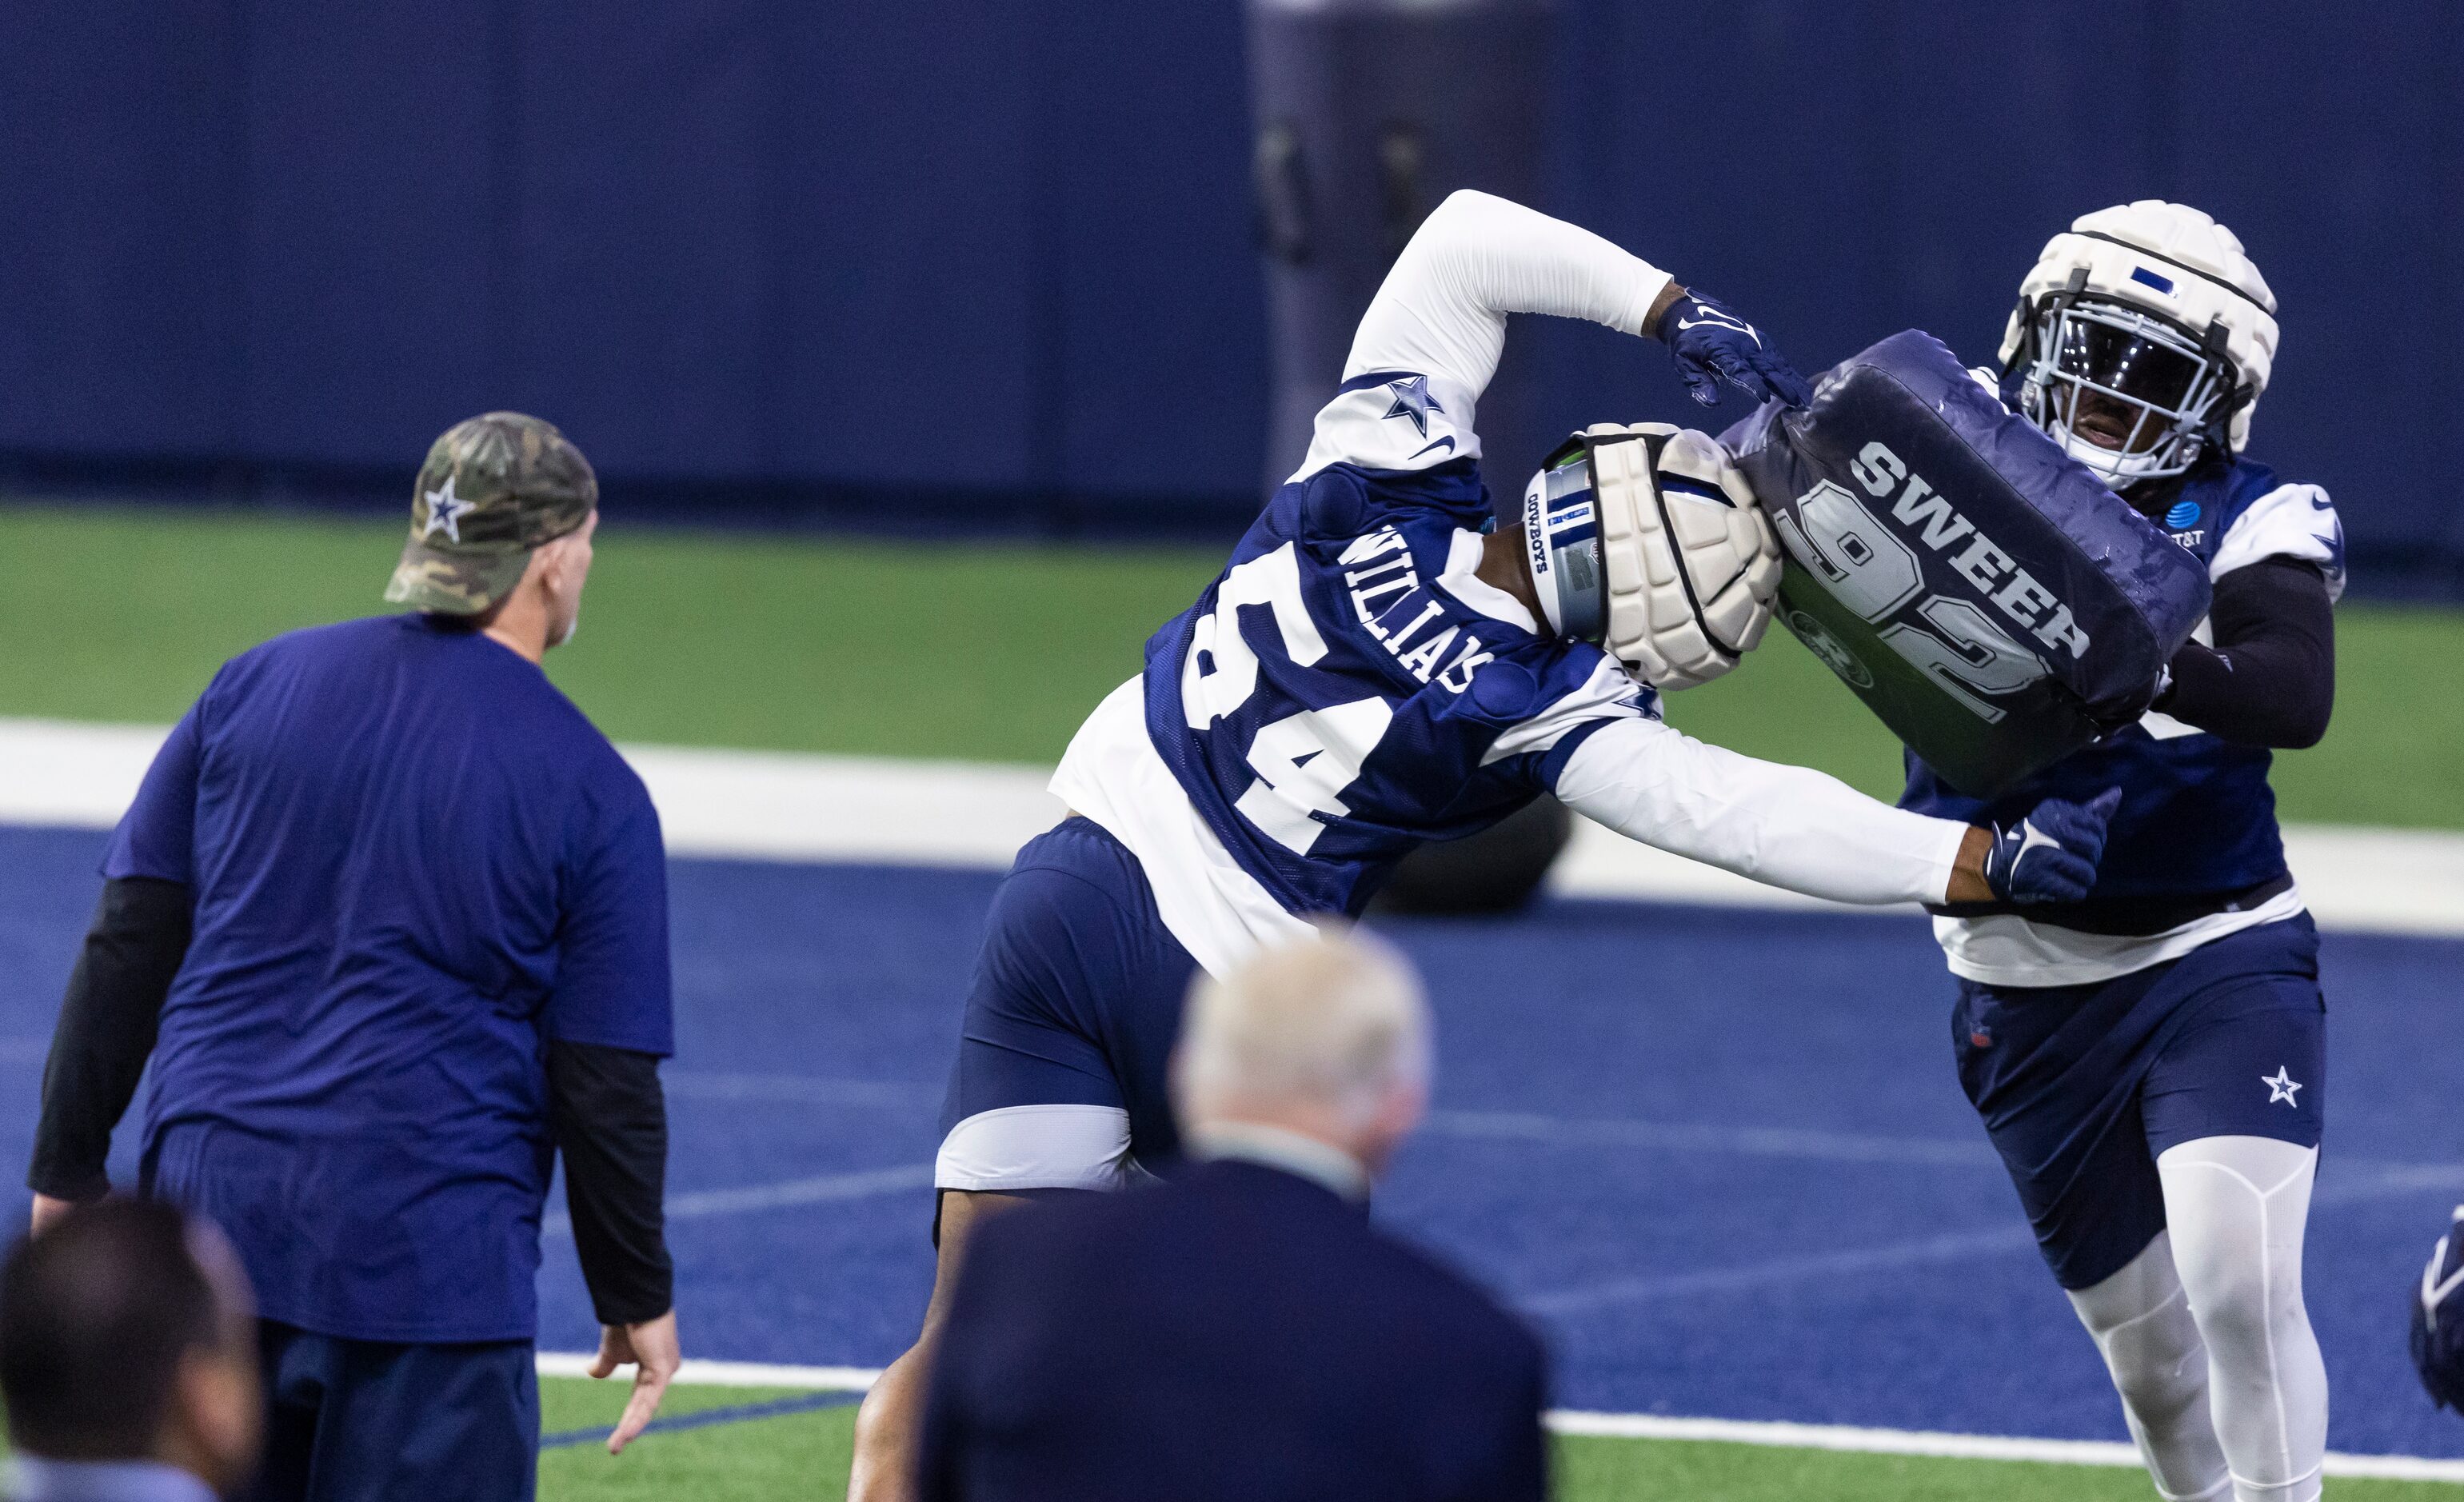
(1378, 667)
(2148, 1058)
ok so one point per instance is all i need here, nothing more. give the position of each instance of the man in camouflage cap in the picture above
(494, 487)
(389, 914)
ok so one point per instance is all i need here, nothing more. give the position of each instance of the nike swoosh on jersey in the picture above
(1446, 443)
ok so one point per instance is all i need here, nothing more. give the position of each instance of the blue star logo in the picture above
(445, 511)
(1412, 400)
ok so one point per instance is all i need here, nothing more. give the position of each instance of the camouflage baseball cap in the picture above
(493, 488)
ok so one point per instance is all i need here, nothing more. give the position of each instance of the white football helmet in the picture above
(1645, 540)
(2144, 338)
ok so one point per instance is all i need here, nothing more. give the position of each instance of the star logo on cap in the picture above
(2281, 1087)
(445, 511)
(1412, 400)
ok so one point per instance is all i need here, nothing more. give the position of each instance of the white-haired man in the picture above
(2148, 1059)
(1244, 1332)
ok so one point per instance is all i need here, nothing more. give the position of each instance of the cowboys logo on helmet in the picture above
(2141, 340)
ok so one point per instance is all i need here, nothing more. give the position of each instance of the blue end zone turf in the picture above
(1719, 1157)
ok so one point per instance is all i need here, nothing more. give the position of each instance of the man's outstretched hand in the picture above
(651, 1349)
(1711, 343)
(2051, 855)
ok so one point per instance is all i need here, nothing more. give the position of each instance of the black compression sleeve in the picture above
(2270, 680)
(106, 1029)
(610, 1121)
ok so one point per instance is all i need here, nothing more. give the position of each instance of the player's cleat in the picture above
(1712, 342)
(2438, 1320)
(2051, 855)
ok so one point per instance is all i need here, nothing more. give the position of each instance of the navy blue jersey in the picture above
(414, 862)
(1328, 703)
(2197, 819)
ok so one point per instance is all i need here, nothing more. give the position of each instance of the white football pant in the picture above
(2205, 1331)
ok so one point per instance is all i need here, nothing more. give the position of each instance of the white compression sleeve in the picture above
(1442, 309)
(1788, 826)
(2237, 1206)
(2141, 1320)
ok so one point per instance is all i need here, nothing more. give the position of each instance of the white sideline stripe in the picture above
(698, 1373)
(772, 805)
(1949, 1446)
(793, 806)
(1837, 1437)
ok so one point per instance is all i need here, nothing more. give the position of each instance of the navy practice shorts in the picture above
(2082, 1086)
(1077, 996)
(369, 1420)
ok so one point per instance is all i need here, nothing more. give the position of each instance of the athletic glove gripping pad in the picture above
(1981, 592)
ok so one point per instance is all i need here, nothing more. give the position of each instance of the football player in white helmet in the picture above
(2148, 1059)
(1377, 667)
(2143, 340)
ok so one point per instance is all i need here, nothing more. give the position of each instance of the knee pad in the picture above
(2141, 1319)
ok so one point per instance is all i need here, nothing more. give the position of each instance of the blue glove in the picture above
(2051, 855)
(1711, 344)
(2438, 1320)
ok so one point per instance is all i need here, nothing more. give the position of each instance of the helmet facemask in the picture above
(2129, 392)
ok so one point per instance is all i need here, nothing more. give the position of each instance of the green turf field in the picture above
(995, 652)
(976, 652)
(806, 1456)
(802, 1457)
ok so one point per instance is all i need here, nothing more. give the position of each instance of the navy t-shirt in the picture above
(416, 862)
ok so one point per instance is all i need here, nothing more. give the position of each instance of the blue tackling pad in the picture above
(1984, 593)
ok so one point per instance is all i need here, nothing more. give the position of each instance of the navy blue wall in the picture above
(996, 255)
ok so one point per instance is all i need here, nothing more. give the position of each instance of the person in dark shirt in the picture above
(2149, 1059)
(127, 1359)
(390, 916)
(1243, 1332)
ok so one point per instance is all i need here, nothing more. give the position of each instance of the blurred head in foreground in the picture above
(1330, 1040)
(503, 509)
(127, 1335)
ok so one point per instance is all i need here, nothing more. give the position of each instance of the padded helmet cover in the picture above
(1646, 539)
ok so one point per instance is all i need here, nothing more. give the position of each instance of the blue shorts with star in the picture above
(1066, 1039)
(2082, 1086)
